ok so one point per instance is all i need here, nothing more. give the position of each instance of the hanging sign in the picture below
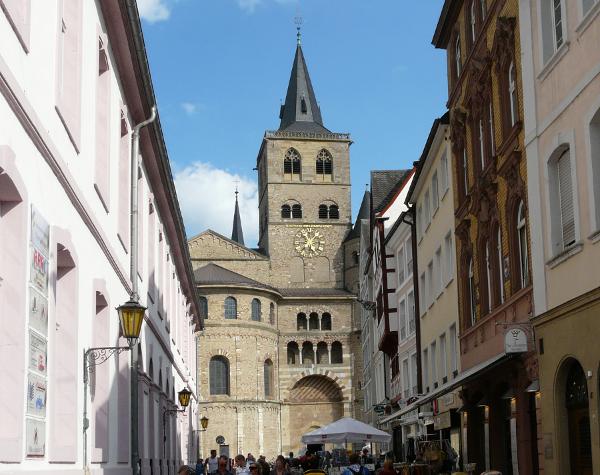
(515, 341)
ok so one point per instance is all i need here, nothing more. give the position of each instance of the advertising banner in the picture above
(37, 353)
(35, 438)
(36, 395)
(38, 311)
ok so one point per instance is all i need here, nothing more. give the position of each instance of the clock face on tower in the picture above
(309, 242)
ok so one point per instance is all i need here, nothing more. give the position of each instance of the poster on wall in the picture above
(35, 438)
(36, 395)
(37, 353)
(40, 232)
(39, 270)
(38, 311)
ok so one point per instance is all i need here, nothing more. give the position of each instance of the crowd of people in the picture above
(311, 463)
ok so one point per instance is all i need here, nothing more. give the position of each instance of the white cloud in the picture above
(153, 10)
(207, 201)
(189, 107)
(249, 5)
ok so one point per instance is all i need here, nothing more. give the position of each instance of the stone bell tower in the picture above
(304, 191)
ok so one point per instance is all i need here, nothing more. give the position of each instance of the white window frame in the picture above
(439, 272)
(444, 173)
(435, 192)
(423, 294)
(408, 252)
(554, 24)
(433, 356)
(426, 210)
(453, 348)
(592, 136)
(443, 357)
(471, 285)
(425, 364)
(403, 319)
(523, 245)
(400, 266)
(500, 263)
(410, 311)
(448, 258)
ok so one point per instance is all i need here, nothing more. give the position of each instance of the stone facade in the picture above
(291, 369)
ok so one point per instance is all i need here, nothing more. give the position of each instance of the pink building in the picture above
(74, 81)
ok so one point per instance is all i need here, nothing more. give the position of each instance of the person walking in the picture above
(355, 467)
(199, 467)
(281, 467)
(212, 463)
(240, 465)
(223, 463)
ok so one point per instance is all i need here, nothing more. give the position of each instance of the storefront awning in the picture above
(461, 379)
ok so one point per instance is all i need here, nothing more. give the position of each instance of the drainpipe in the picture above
(413, 233)
(135, 451)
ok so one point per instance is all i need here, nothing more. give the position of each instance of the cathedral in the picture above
(280, 351)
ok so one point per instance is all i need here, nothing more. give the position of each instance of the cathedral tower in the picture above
(304, 191)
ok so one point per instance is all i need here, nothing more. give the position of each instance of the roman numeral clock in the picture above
(309, 242)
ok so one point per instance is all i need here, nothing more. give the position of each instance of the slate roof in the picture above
(237, 234)
(212, 274)
(363, 213)
(384, 185)
(301, 112)
(307, 293)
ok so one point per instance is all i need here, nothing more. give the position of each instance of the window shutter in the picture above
(565, 189)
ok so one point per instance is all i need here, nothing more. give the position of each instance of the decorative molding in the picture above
(282, 134)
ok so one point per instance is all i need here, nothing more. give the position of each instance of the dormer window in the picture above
(303, 107)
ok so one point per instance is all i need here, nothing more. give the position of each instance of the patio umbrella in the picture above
(346, 430)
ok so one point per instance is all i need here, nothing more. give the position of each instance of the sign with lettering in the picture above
(36, 395)
(39, 270)
(442, 421)
(37, 353)
(515, 341)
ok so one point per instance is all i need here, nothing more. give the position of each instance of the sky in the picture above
(220, 70)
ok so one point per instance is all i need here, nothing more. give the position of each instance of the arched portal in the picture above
(313, 401)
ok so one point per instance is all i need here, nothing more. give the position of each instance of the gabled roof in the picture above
(255, 253)
(384, 185)
(444, 120)
(212, 274)
(301, 112)
(363, 213)
(237, 234)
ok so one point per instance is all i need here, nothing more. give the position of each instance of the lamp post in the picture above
(204, 425)
(131, 317)
(184, 401)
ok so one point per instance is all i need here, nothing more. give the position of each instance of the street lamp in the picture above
(204, 423)
(131, 316)
(184, 401)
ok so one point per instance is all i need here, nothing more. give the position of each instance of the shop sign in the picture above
(39, 270)
(38, 312)
(35, 438)
(442, 421)
(36, 396)
(515, 341)
(40, 232)
(37, 353)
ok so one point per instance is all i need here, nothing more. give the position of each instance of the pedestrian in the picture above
(199, 466)
(254, 468)
(222, 466)
(388, 468)
(265, 468)
(240, 465)
(212, 462)
(355, 467)
(281, 467)
(185, 470)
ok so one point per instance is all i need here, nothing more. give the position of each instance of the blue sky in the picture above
(221, 67)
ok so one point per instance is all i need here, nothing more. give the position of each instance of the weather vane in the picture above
(236, 188)
(298, 21)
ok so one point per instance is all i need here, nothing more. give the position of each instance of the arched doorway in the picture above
(578, 416)
(315, 400)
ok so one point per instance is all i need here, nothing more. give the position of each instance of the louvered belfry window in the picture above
(565, 193)
(286, 211)
(322, 211)
(291, 163)
(219, 375)
(334, 212)
(296, 211)
(324, 165)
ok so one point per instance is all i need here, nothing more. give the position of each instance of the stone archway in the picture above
(314, 400)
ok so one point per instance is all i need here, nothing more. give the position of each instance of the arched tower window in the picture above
(323, 212)
(203, 310)
(256, 310)
(219, 375)
(326, 321)
(286, 212)
(297, 211)
(268, 375)
(337, 353)
(324, 165)
(322, 353)
(334, 212)
(313, 321)
(291, 164)
(293, 353)
(301, 322)
(230, 308)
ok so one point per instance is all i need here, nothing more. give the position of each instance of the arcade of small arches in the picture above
(315, 352)
(314, 321)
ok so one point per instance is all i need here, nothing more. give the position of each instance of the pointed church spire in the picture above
(363, 213)
(237, 234)
(301, 112)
